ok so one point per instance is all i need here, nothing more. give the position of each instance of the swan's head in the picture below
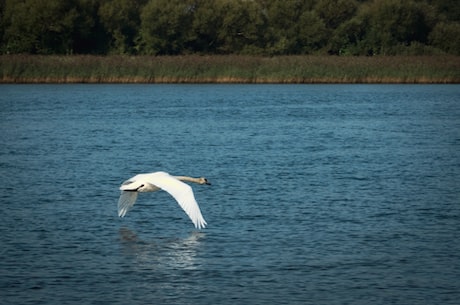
(203, 180)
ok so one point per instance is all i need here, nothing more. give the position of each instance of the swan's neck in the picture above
(189, 179)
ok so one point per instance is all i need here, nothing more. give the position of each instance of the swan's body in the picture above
(153, 182)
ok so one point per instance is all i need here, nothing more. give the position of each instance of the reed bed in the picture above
(228, 69)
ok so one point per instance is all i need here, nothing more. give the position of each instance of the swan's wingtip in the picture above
(201, 224)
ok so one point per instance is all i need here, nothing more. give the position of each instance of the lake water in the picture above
(321, 194)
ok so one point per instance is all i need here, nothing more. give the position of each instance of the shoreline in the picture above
(44, 81)
(228, 69)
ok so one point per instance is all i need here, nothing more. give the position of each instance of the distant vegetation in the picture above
(228, 69)
(238, 27)
(247, 41)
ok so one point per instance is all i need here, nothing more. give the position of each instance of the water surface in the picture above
(321, 194)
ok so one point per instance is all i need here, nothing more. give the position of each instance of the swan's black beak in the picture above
(207, 182)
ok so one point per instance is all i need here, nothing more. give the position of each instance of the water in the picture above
(329, 194)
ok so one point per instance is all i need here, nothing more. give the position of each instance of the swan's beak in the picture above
(207, 182)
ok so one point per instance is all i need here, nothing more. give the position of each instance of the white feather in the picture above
(152, 182)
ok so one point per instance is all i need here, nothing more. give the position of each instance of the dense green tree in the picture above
(282, 31)
(312, 33)
(269, 27)
(350, 37)
(394, 23)
(39, 26)
(51, 27)
(165, 26)
(448, 8)
(121, 19)
(206, 25)
(2, 22)
(335, 12)
(241, 27)
(89, 36)
(446, 37)
(384, 27)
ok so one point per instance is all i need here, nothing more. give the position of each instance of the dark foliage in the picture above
(251, 27)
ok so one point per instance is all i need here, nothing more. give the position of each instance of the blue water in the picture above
(321, 194)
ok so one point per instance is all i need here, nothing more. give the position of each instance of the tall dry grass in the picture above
(229, 69)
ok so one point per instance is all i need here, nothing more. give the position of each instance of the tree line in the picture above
(251, 27)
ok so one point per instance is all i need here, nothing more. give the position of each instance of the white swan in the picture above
(152, 182)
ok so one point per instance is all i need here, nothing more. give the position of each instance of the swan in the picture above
(153, 182)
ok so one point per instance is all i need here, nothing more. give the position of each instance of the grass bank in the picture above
(228, 69)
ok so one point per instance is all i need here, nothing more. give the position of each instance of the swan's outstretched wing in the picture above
(126, 202)
(183, 194)
(128, 195)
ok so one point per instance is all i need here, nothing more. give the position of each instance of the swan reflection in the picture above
(180, 253)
